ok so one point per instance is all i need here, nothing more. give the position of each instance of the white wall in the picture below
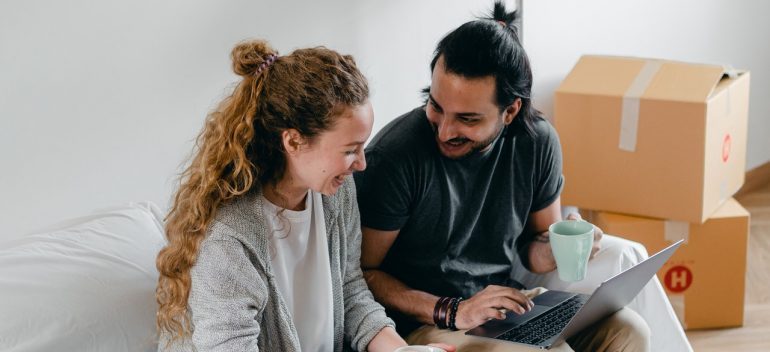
(100, 100)
(557, 32)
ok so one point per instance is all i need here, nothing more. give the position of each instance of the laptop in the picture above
(557, 315)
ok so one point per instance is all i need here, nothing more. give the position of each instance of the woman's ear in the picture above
(292, 140)
(512, 111)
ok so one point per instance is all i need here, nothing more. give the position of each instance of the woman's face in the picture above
(323, 163)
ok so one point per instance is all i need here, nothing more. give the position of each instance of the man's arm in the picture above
(486, 304)
(540, 255)
(388, 290)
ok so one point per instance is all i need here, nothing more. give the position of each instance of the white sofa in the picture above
(87, 284)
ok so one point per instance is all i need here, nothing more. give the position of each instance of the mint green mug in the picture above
(571, 242)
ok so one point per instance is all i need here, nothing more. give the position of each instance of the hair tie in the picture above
(269, 60)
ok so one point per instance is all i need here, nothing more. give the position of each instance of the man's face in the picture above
(464, 113)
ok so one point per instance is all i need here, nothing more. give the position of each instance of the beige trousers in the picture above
(622, 331)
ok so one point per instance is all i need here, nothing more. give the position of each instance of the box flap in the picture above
(601, 75)
(681, 81)
(613, 76)
(730, 209)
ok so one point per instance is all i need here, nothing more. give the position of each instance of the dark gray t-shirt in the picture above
(462, 222)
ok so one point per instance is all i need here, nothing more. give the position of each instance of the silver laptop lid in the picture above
(616, 292)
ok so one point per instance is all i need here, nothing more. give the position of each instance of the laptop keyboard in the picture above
(542, 328)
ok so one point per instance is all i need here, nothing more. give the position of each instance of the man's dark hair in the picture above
(490, 46)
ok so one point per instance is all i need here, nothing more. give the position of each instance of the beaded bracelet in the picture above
(453, 314)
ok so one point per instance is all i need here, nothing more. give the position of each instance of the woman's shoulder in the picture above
(227, 253)
(238, 221)
(239, 213)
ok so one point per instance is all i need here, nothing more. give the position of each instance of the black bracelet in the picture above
(453, 314)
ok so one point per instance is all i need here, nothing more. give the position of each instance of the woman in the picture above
(264, 237)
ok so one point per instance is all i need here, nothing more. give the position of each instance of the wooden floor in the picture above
(755, 334)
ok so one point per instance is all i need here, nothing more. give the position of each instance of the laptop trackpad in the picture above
(513, 319)
(543, 302)
(494, 328)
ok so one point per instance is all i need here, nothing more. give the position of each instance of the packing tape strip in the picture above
(676, 230)
(629, 118)
(723, 193)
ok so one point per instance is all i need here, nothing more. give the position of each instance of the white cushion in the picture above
(87, 284)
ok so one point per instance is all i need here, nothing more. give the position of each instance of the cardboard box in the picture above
(654, 138)
(705, 279)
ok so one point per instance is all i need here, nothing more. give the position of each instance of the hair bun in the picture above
(500, 13)
(248, 55)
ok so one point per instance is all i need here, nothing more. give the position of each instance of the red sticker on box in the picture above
(678, 279)
(726, 144)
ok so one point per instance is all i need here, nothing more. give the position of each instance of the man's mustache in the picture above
(458, 140)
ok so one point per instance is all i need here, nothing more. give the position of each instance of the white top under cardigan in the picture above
(299, 254)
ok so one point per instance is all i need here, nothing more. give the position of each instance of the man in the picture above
(460, 193)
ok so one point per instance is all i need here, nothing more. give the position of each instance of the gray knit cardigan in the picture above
(234, 302)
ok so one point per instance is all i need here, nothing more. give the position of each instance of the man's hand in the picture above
(491, 303)
(598, 233)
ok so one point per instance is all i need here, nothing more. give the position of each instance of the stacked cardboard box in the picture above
(663, 143)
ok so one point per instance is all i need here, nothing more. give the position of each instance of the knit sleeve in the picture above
(364, 317)
(227, 297)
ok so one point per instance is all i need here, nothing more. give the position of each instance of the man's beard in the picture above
(476, 147)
